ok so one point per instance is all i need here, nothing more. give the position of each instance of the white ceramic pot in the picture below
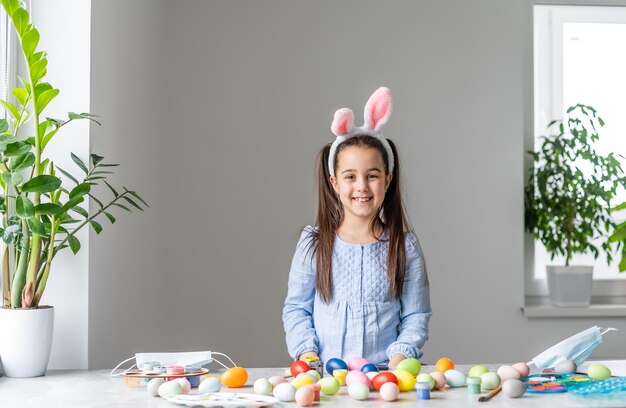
(570, 286)
(25, 341)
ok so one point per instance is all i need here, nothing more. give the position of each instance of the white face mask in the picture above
(193, 358)
(576, 348)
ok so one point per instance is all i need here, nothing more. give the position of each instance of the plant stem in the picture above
(20, 272)
(44, 278)
(5, 278)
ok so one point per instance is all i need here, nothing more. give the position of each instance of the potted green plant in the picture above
(619, 237)
(568, 199)
(41, 213)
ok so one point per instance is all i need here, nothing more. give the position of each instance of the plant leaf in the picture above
(42, 184)
(68, 175)
(17, 148)
(24, 208)
(110, 217)
(23, 161)
(80, 190)
(96, 227)
(134, 204)
(95, 159)
(74, 244)
(48, 208)
(112, 189)
(12, 179)
(81, 211)
(36, 226)
(122, 206)
(45, 98)
(138, 197)
(79, 163)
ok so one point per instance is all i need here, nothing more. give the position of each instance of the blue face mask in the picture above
(576, 348)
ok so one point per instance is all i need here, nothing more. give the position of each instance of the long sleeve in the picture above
(415, 305)
(298, 308)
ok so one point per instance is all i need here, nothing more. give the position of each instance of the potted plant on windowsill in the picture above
(41, 214)
(568, 199)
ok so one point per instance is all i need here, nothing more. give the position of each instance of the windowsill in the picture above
(540, 307)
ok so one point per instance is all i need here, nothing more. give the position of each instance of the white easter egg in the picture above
(507, 372)
(170, 388)
(513, 388)
(284, 392)
(455, 378)
(209, 386)
(263, 387)
(153, 386)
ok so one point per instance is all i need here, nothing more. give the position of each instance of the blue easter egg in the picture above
(368, 368)
(335, 364)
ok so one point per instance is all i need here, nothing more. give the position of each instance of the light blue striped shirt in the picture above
(361, 320)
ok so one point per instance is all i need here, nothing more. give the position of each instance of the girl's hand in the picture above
(308, 354)
(395, 360)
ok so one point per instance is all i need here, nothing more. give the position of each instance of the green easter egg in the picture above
(315, 374)
(598, 372)
(426, 378)
(412, 365)
(477, 371)
(329, 385)
(490, 381)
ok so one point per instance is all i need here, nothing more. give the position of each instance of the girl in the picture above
(358, 285)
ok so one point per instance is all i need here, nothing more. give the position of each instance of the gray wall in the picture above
(217, 109)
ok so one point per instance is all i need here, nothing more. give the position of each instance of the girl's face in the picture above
(360, 181)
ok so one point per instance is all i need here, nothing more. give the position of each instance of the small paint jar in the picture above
(159, 369)
(175, 370)
(423, 390)
(340, 375)
(149, 365)
(473, 385)
(194, 380)
(192, 369)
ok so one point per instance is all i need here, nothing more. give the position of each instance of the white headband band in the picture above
(377, 112)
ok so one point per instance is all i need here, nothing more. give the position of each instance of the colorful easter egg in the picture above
(335, 363)
(330, 385)
(382, 378)
(356, 363)
(406, 380)
(444, 364)
(389, 391)
(298, 367)
(234, 377)
(358, 391)
(412, 365)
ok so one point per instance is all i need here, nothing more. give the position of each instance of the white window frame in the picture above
(548, 104)
(8, 57)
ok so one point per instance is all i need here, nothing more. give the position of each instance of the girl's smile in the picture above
(361, 182)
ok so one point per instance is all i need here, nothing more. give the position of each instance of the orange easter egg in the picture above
(234, 377)
(444, 364)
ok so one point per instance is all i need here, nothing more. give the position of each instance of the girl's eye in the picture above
(373, 176)
(349, 177)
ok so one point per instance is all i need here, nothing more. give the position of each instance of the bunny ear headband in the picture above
(377, 112)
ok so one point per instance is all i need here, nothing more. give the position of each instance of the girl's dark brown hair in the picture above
(391, 218)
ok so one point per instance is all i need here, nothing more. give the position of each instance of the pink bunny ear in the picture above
(343, 122)
(378, 108)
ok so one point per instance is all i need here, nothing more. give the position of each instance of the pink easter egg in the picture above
(357, 363)
(357, 376)
(305, 396)
(440, 380)
(523, 369)
(277, 379)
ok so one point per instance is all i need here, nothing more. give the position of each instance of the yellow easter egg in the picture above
(406, 381)
(234, 377)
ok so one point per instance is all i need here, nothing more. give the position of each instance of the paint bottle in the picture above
(423, 390)
(473, 385)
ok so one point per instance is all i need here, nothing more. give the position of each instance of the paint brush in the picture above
(490, 395)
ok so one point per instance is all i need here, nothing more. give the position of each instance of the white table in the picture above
(91, 389)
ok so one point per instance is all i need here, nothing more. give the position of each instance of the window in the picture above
(579, 58)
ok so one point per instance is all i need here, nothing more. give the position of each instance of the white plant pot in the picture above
(570, 286)
(25, 341)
